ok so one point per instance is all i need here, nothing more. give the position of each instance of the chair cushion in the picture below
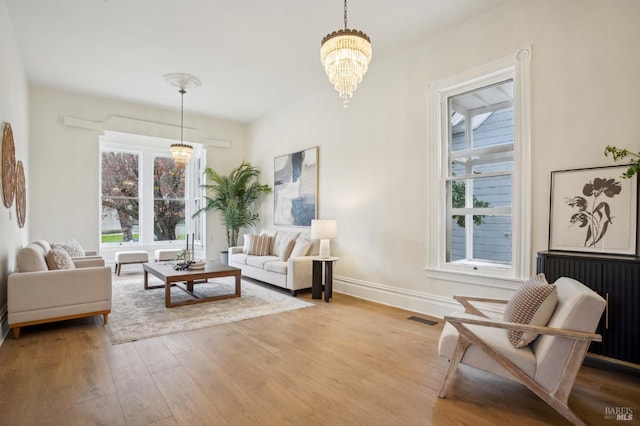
(259, 245)
(72, 247)
(533, 303)
(58, 258)
(497, 339)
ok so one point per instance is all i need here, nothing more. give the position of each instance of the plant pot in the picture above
(224, 257)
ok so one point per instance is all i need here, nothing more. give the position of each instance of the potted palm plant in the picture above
(234, 197)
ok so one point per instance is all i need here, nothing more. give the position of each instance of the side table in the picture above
(316, 285)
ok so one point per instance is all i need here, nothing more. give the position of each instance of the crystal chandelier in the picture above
(346, 55)
(181, 152)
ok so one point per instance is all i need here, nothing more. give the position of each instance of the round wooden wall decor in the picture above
(8, 165)
(21, 195)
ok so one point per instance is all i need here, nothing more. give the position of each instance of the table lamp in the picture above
(324, 230)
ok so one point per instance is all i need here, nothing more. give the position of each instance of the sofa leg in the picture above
(105, 318)
(16, 332)
(293, 293)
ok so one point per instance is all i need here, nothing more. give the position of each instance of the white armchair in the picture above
(549, 366)
(37, 295)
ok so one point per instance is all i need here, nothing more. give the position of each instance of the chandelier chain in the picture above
(345, 14)
(182, 92)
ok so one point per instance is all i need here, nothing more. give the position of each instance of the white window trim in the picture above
(517, 67)
(148, 149)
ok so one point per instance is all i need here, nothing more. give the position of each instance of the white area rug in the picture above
(137, 313)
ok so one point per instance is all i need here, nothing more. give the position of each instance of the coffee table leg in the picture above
(146, 280)
(167, 294)
(238, 281)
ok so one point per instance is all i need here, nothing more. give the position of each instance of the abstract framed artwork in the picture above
(594, 210)
(295, 188)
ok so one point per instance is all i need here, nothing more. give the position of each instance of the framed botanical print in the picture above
(594, 210)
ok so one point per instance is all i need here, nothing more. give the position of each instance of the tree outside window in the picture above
(168, 200)
(120, 197)
(123, 199)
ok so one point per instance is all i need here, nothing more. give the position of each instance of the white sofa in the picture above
(293, 273)
(37, 294)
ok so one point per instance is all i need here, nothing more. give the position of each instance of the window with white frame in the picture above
(147, 200)
(480, 167)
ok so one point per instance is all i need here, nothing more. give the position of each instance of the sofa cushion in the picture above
(259, 261)
(301, 247)
(72, 247)
(259, 245)
(240, 258)
(58, 258)
(279, 266)
(31, 259)
(533, 303)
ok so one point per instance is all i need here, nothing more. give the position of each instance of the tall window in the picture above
(479, 175)
(479, 215)
(120, 197)
(168, 200)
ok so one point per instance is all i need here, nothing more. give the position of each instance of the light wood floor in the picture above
(348, 362)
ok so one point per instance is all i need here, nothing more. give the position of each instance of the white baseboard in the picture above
(392, 296)
(410, 300)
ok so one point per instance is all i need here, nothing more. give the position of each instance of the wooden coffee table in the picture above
(171, 277)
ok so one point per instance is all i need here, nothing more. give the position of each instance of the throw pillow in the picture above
(285, 250)
(271, 234)
(259, 245)
(533, 303)
(281, 243)
(247, 241)
(72, 247)
(58, 258)
(300, 248)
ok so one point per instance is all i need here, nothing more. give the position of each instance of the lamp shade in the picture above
(324, 229)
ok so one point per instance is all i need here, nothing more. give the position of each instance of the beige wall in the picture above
(373, 156)
(14, 110)
(65, 161)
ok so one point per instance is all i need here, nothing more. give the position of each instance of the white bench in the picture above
(128, 257)
(166, 254)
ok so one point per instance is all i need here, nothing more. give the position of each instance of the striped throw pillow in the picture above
(259, 245)
(533, 304)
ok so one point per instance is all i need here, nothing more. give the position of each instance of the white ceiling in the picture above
(252, 56)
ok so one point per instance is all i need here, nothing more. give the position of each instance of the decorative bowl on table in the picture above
(198, 264)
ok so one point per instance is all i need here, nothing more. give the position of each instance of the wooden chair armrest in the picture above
(470, 309)
(481, 299)
(571, 334)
